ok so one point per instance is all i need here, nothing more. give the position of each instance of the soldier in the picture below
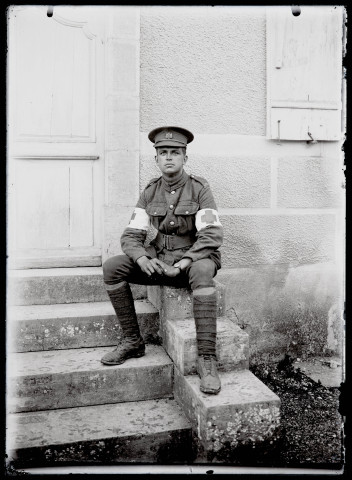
(184, 253)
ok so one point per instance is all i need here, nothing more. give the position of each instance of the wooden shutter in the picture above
(304, 73)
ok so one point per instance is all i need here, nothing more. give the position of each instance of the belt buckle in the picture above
(168, 242)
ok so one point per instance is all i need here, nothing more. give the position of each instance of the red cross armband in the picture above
(139, 219)
(207, 217)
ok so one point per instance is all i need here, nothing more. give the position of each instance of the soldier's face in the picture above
(170, 160)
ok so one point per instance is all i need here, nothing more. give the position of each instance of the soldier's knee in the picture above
(204, 267)
(111, 268)
(201, 273)
(108, 269)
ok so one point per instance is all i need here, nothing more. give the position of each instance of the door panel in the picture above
(81, 205)
(55, 80)
(42, 205)
(54, 204)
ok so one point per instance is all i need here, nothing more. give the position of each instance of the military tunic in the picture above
(185, 215)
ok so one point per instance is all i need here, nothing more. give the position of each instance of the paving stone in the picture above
(60, 285)
(180, 343)
(245, 411)
(69, 378)
(74, 325)
(154, 431)
(329, 371)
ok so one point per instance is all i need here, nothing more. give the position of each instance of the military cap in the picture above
(170, 137)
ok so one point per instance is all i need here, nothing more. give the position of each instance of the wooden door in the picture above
(55, 133)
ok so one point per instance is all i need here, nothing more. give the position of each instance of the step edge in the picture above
(55, 272)
(16, 310)
(155, 350)
(274, 400)
(174, 324)
(101, 408)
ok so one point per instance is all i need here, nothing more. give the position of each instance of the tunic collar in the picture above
(174, 185)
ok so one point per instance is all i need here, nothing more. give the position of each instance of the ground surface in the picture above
(312, 435)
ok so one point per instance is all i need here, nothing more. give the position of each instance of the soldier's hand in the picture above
(183, 263)
(150, 265)
(171, 271)
(166, 269)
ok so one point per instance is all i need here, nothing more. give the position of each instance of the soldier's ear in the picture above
(185, 159)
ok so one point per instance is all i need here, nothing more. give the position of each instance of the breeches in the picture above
(121, 268)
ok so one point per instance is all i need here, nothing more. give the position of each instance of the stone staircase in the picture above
(245, 412)
(65, 407)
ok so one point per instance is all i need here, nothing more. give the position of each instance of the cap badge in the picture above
(168, 135)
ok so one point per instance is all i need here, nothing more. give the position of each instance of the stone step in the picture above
(45, 286)
(54, 258)
(73, 378)
(244, 413)
(152, 431)
(177, 303)
(74, 325)
(180, 343)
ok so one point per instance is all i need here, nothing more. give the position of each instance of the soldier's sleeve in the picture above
(209, 236)
(134, 235)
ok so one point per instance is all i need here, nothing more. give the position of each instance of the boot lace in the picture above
(208, 364)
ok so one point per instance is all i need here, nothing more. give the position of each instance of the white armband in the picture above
(207, 217)
(139, 219)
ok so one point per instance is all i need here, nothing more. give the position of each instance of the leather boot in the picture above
(127, 349)
(209, 378)
(204, 311)
(132, 345)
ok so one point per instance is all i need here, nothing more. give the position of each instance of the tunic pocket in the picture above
(156, 210)
(185, 212)
(186, 208)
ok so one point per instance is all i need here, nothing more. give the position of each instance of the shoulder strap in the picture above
(152, 181)
(200, 180)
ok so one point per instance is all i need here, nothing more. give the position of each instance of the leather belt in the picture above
(173, 242)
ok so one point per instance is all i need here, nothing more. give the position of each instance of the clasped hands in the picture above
(154, 265)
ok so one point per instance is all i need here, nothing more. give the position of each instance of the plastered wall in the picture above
(204, 66)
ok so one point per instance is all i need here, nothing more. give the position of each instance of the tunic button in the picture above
(172, 223)
(171, 206)
(173, 192)
(187, 211)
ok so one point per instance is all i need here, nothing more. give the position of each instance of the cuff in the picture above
(139, 253)
(186, 257)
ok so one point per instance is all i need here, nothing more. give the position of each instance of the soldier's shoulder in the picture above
(152, 182)
(200, 180)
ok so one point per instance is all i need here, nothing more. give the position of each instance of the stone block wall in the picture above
(281, 203)
(121, 108)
